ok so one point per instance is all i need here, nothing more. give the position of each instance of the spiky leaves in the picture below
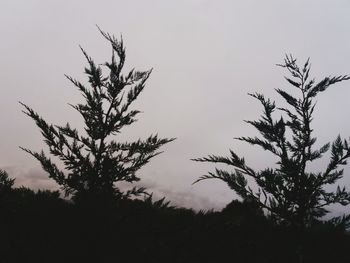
(290, 193)
(94, 162)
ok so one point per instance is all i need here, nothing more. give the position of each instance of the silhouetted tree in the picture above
(95, 162)
(290, 192)
(5, 182)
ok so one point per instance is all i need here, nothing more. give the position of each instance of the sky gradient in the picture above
(206, 56)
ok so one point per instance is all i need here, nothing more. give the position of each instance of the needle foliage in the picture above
(290, 193)
(94, 162)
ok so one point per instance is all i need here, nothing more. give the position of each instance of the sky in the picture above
(206, 56)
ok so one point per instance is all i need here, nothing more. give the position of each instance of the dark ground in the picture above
(42, 227)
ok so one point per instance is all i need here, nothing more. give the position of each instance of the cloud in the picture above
(188, 200)
(33, 178)
(36, 178)
(180, 198)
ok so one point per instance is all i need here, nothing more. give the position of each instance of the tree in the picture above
(6, 183)
(94, 162)
(290, 193)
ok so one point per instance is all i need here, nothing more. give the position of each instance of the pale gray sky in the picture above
(206, 55)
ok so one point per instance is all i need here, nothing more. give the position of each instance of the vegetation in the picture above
(42, 227)
(95, 162)
(291, 193)
(103, 223)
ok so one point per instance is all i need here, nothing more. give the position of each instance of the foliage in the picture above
(291, 193)
(136, 230)
(95, 162)
(158, 204)
(5, 182)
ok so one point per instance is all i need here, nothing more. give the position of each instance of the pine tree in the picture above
(290, 193)
(94, 162)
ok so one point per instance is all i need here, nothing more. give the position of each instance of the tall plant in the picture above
(291, 193)
(94, 161)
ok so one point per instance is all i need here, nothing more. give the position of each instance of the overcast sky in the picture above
(206, 56)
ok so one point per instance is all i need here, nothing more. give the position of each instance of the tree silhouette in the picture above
(5, 182)
(291, 193)
(94, 162)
